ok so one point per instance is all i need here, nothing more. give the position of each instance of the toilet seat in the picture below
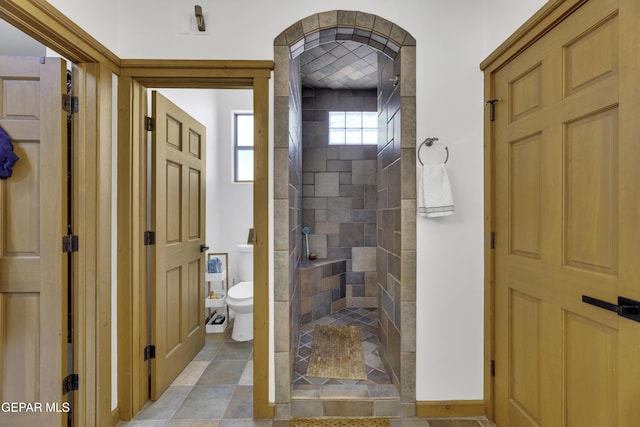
(241, 292)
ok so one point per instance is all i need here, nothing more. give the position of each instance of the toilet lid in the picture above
(241, 291)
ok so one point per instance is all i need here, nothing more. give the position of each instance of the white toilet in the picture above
(240, 296)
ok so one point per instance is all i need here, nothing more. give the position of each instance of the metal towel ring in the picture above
(429, 142)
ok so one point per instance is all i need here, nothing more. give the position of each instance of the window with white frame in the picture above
(353, 127)
(243, 146)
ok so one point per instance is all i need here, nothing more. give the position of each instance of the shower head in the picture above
(305, 230)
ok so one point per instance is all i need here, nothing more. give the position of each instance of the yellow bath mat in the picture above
(336, 352)
(339, 422)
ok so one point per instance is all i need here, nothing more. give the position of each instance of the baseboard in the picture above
(450, 408)
(115, 417)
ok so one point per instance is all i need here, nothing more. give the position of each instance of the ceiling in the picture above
(340, 65)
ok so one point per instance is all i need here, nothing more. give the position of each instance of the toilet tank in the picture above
(245, 263)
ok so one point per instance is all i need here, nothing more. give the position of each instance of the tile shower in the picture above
(378, 248)
(340, 195)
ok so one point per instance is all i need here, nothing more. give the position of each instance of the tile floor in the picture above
(216, 388)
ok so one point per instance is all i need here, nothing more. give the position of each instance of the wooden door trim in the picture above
(204, 74)
(261, 406)
(132, 273)
(543, 21)
(450, 408)
(146, 69)
(92, 266)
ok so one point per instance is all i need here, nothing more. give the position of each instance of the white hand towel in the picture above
(434, 192)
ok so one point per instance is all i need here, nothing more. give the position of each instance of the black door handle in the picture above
(204, 248)
(625, 308)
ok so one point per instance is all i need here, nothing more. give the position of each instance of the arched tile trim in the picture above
(337, 25)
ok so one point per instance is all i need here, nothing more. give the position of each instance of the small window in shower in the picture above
(353, 127)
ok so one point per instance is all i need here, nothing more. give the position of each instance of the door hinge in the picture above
(70, 104)
(149, 352)
(493, 240)
(70, 243)
(149, 123)
(70, 383)
(493, 368)
(149, 238)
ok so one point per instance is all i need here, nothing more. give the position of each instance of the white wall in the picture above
(233, 202)
(450, 255)
(15, 43)
(453, 37)
(505, 18)
(97, 17)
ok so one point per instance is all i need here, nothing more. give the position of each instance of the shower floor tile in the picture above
(377, 376)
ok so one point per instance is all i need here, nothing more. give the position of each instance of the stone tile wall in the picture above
(287, 205)
(339, 195)
(322, 289)
(391, 188)
(396, 225)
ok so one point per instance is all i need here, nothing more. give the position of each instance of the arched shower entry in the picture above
(386, 255)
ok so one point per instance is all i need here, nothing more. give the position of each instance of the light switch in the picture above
(194, 26)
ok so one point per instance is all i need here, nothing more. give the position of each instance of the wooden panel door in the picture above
(32, 273)
(178, 217)
(566, 210)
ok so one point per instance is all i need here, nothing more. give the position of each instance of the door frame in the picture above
(550, 15)
(196, 74)
(46, 24)
(91, 192)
